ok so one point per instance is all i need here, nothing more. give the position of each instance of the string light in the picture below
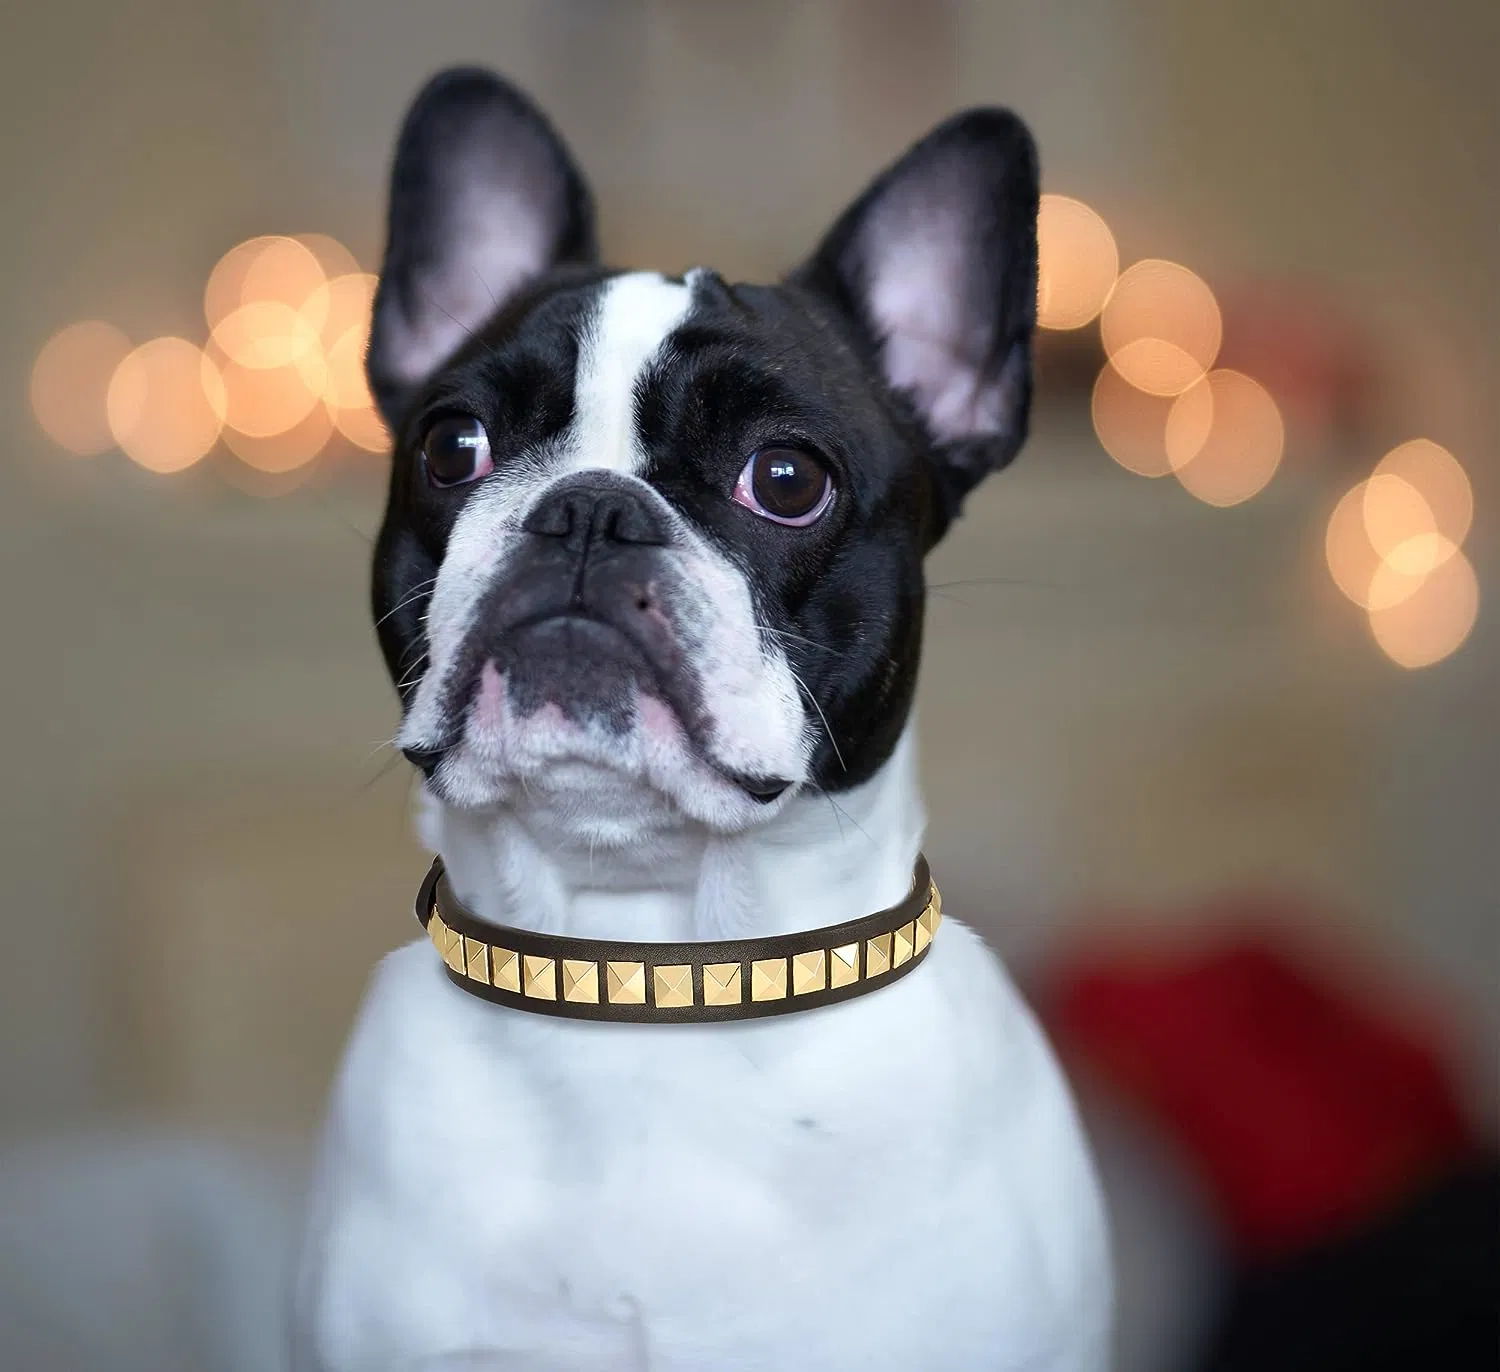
(1440, 478)
(1224, 438)
(1131, 425)
(1431, 620)
(1352, 559)
(166, 405)
(69, 382)
(1394, 548)
(1077, 263)
(1161, 327)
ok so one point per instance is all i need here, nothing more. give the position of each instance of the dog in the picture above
(650, 587)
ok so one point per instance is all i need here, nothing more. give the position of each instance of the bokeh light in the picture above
(346, 335)
(265, 333)
(166, 405)
(333, 257)
(1352, 559)
(1077, 263)
(70, 382)
(285, 449)
(271, 268)
(1433, 620)
(291, 319)
(262, 402)
(342, 303)
(1224, 438)
(1395, 512)
(281, 374)
(1161, 327)
(1131, 425)
(1440, 480)
(1405, 569)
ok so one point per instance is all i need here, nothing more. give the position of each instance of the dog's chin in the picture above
(611, 769)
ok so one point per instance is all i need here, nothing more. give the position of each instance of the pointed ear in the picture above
(484, 199)
(935, 264)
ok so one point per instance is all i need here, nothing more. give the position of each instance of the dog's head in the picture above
(654, 545)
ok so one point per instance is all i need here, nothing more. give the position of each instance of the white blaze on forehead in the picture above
(636, 315)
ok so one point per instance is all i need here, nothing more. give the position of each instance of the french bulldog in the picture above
(650, 588)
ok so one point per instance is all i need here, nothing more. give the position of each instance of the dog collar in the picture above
(678, 983)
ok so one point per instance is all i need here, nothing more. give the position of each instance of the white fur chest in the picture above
(898, 1182)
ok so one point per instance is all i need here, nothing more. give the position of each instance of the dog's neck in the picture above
(539, 864)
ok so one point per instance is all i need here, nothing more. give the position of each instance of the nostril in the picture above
(643, 602)
(553, 518)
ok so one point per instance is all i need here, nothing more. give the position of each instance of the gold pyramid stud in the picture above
(902, 942)
(580, 981)
(673, 986)
(843, 965)
(625, 983)
(541, 980)
(455, 954)
(924, 929)
(505, 968)
(721, 983)
(437, 931)
(877, 955)
(768, 979)
(937, 907)
(809, 972)
(477, 960)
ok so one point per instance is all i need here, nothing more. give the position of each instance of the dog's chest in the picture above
(833, 1184)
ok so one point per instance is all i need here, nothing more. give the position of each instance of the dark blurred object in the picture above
(1306, 1109)
(1359, 1208)
(1419, 1288)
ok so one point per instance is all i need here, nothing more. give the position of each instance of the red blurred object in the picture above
(1306, 1109)
(1311, 354)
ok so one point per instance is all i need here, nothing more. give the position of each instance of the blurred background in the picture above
(1209, 715)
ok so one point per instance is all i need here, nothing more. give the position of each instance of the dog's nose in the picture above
(581, 512)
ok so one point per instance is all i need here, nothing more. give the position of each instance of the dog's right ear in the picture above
(485, 198)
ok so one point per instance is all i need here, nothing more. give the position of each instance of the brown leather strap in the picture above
(678, 983)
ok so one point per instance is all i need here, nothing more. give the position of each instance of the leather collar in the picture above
(678, 983)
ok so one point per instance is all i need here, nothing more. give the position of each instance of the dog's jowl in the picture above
(692, 1078)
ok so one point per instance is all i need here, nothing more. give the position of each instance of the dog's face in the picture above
(654, 545)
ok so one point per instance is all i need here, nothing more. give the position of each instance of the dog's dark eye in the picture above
(785, 485)
(456, 450)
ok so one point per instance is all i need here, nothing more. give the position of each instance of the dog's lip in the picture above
(764, 790)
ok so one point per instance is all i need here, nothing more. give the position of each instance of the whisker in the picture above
(473, 336)
(380, 772)
(415, 594)
(411, 678)
(339, 517)
(379, 748)
(795, 638)
(840, 814)
(1002, 581)
(831, 739)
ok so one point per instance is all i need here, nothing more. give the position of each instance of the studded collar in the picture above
(678, 983)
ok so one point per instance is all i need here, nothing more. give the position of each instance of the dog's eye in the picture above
(785, 485)
(456, 450)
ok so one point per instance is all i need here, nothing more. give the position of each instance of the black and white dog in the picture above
(650, 586)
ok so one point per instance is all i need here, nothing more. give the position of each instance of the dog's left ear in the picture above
(935, 265)
(485, 198)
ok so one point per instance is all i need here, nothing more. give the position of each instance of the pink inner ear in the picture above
(500, 243)
(919, 277)
(946, 388)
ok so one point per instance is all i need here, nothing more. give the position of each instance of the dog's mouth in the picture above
(576, 671)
